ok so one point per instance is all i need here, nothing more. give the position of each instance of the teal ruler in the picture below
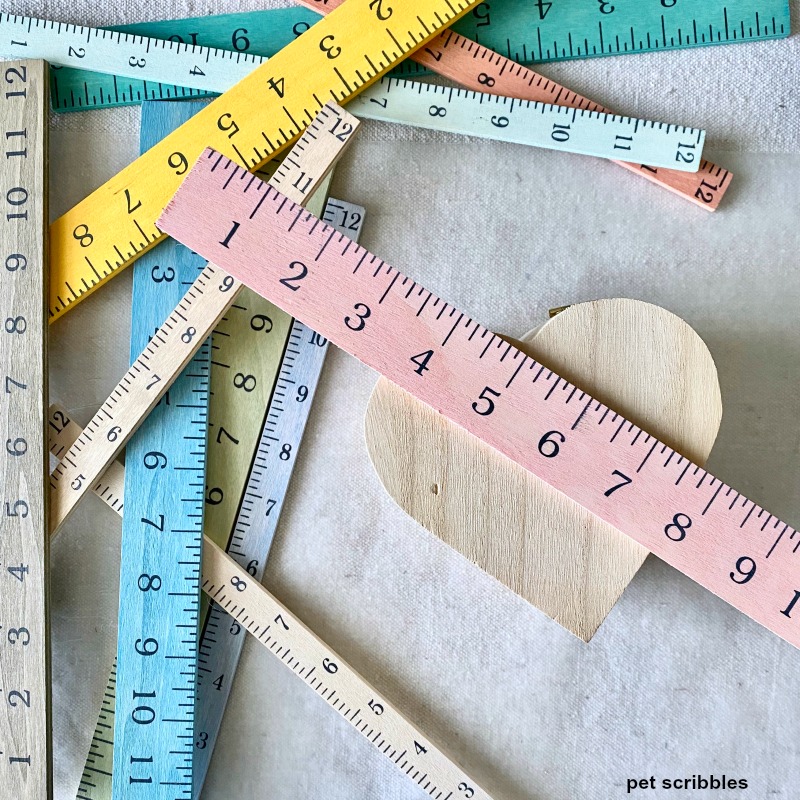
(162, 534)
(528, 31)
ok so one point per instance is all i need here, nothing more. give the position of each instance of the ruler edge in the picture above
(41, 238)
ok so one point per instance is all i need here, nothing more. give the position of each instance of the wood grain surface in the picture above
(638, 358)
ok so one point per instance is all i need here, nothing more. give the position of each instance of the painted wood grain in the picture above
(25, 746)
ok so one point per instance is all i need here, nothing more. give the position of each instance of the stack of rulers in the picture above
(242, 123)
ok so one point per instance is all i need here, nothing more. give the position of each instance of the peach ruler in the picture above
(476, 67)
(440, 355)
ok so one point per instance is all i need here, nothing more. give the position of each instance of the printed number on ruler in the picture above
(248, 346)
(203, 305)
(262, 502)
(475, 67)
(257, 118)
(572, 130)
(25, 756)
(546, 31)
(508, 26)
(274, 626)
(670, 506)
(161, 533)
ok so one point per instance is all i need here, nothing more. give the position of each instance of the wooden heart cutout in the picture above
(637, 358)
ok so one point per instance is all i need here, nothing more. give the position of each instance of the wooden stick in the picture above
(25, 747)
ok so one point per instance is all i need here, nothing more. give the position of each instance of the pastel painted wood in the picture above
(255, 119)
(526, 411)
(476, 67)
(241, 595)
(25, 746)
(634, 356)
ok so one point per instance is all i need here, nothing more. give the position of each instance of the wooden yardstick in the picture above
(25, 755)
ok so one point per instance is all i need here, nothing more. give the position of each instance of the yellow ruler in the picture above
(25, 756)
(336, 58)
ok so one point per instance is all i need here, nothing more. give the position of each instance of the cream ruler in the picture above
(174, 344)
(626, 477)
(25, 743)
(255, 610)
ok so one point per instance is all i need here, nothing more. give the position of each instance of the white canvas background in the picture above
(675, 682)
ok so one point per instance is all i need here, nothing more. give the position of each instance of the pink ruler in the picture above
(440, 355)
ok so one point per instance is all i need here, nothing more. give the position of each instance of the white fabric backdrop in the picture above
(675, 682)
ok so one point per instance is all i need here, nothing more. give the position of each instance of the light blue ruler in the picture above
(285, 421)
(162, 535)
(524, 30)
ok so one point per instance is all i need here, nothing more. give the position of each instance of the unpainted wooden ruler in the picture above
(25, 744)
(254, 609)
(201, 307)
(525, 31)
(475, 67)
(159, 588)
(444, 358)
(342, 55)
(265, 490)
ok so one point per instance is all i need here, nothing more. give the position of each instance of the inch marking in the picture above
(25, 746)
(203, 305)
(102, 222)
(256, 610)
(663, 517)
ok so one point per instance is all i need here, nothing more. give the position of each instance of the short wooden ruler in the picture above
(439, 354)
(524, 31)
(274, 626)
(162, 533)
(25, 746)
